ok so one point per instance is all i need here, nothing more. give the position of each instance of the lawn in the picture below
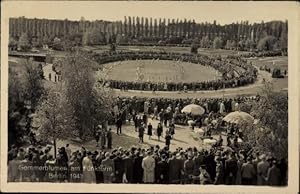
(159, 71)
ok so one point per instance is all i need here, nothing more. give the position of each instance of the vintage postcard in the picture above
(150, 96)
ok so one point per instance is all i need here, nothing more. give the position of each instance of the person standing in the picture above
(141, 133)
(109, 138)
(108, 168)
(262, 170)
(168, 138)
(163, 170)
(138, 169)
(172, 129)
(128, 166)
(174, 169)
(189, 167)
(273, 178)
(68, 151)
(247, 172)
(119, 125)
(231, 168)
(161, 115)
(159, 130)
(88, 173)
(119, 168)
(75, 169)
(148, 164)
(150, 130)
(103, 138)
(219, 179)
(13, 169)
(97, 137)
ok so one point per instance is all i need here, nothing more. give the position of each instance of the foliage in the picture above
(93, 36)
(89, 104)
(267, 43)
(33, 84)
(218, 43)
(12, 44)
(270, 135)
(24, 91)
(194, 48)
(23, 42)
(55, 116)
(205, 42)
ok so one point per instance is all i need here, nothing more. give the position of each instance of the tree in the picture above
(57, 44)
(91, 105)
(25, 89)
(33, 82)
(270, 135)
(12, 44)
(284, 39)
(55, 115)
(267, 43)
(205, 43)
(218, 43)
(23, 43)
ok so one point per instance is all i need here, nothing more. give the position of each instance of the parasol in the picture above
(238, 117)
(193, 109)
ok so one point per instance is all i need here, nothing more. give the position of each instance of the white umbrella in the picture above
(238, 117)
(194, 109)
(209, 141)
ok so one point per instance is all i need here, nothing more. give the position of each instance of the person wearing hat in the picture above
(248, 172)
(88, 171)
(174, 168)
(75, 169)
(119, 166)
(148, 164)
(128, 166)
(189, 167)
(274, 176)
(262, 170)
(108, 168)
(231, 168)
(137, 166)
(219, 179)
(141, 133)
(163, 170)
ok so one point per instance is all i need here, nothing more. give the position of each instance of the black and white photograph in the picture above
(149, 93)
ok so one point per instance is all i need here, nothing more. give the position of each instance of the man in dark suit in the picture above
(231, 168)
(119, 125)
(119, 167)
(128, 167)
(174, 169)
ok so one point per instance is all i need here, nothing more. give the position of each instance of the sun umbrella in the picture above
(193, 109)
(209, 141)
(238, 117)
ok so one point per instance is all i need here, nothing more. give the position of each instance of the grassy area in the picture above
(160, 71)
(272, 62)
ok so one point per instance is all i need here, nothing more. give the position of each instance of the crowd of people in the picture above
(153, 165)
(166, 108)
(235, 71)
(223, 163)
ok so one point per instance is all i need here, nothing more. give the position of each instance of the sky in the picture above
(222, 12)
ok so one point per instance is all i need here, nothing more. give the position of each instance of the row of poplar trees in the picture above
(141, 27)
